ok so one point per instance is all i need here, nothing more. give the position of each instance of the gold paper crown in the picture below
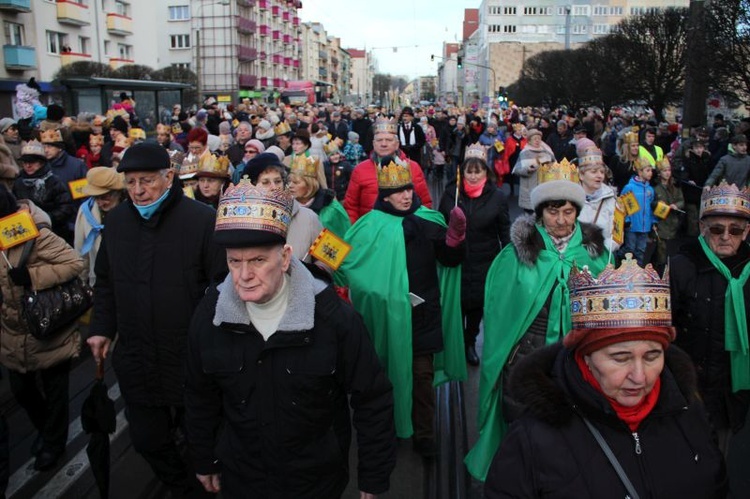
(384, 125)
(726, 200)
(176, 128)
(629, 296)
(305, 166)
(246, 207)
(282, 128)
(394, 175)
(96, 140)
(558, 171)
(33, 148)
(112, 113)
(632, 136)
(333, 146)
(592, 157)
(476, 150)
(136, 134)
(51, 136)
(189, 167)
(213, 166)
(664, 163)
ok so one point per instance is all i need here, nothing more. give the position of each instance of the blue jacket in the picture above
(643, 219)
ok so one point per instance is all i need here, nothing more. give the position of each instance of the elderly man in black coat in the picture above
(273, 355)
(156, 260)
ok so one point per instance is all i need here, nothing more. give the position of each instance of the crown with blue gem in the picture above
(726, 200)
(626, 297)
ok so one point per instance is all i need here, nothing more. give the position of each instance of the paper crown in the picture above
(213, 166)
(333, 146)
(51, 137)
(176, 128)
(726, 200)
(305, 166)
(189, 167)
(176, 158)
(113, 113)
(394, 175)
(476, 151)
(384, 125)
(664, 163)
(96, 140)
(558, 171)
(247, 214)
(632, 136)
(629, 296)
(137, 134)
(33, 148)
(282, 128)
(591, 158)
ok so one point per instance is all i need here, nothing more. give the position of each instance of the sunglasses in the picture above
(719, 230)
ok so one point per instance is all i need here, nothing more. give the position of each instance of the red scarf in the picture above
(474, 191)
(632, 416)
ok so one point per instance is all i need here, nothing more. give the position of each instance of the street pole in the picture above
(568, 9)
(198, 65)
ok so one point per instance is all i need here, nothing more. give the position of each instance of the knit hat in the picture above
(277, 151)
(261, 163)
(6, 123)
(225, 128)
(248, 216)
(101, 180)
(562, 190)
(144, 157)
(352, 136)
(534, 132)
(118, 123)
(257, 144)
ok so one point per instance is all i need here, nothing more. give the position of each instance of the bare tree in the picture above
(729, 41)
(82, 69)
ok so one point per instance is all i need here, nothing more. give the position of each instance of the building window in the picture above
(560, 29)
(528, 29)
(546, 11)
(83, 44)
(179, 41)
(637, 11)
(615, 11)
(179, 13)
(107, 48)
(124, 51)
(509, 28)
(509, 11)
(580, 29)
(121, 8)
(600, 29)
(561, 11)
(530, 11)
(600, 10)
(580, 10)
(181, 65)
(13, 33)
(56, 41)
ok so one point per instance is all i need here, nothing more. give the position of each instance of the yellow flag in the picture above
(76, 188)
(16, 229)
(499, 146)
(662, 210)
(618, 226)
(631, 203)
(188, 191)
(330, 249)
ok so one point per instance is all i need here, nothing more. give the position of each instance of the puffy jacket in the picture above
(275, 412)
(734, 168)
(696, 169)
(487, 232)
(600, 210)
(50, 262)
(550, 453)
(698, 313)
(643, 219)
(363, 188)
(150, 276)
(526, 166)
(669, 227)
(50, 194)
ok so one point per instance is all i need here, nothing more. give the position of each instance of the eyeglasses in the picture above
(251, 151)
(195, 148)
(720, 230)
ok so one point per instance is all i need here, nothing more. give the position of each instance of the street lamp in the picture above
(198, 57)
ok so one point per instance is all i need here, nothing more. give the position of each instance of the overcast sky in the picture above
(417, 27)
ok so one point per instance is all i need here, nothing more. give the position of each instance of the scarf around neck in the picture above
(474, 191)
(735, 319)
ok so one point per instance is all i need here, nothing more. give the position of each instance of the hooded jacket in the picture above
(643, 220)
(550, 453)
(734, 168)
(600, 211)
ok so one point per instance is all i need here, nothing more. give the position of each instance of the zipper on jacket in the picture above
(637, 439)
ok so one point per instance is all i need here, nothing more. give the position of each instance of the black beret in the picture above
(55, 112)
(119, 123)
(144, 157)
(261, 163)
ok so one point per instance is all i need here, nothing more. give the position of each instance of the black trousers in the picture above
(44, 396)
(157, 434)
(423, 397)
(472, 318)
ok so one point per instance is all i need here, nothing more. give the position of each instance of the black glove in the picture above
(20, 276)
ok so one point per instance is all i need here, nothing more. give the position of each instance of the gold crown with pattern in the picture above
(189, 167)
(384, 125)
(51, 137)
(246, 207)
(630, 296)
(563, 170)
(726, 200)
(305, 166)
(394, 175)
(136, 134)
(476, 150)
(632, 136)
(282, 128)
(33, 148)
(210, 165)
(591, 158)
(176, 158)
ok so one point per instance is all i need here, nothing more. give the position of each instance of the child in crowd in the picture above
(639, 225)
(353, 150)
(670, 195)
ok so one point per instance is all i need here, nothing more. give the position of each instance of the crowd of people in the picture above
(229, 337)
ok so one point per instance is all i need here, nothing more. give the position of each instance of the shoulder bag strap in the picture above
(612, 459)
(27, 247)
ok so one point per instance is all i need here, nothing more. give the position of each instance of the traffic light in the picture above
(459, 60)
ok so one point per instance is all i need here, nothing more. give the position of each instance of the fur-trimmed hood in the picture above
(538, 382)
(529, 243)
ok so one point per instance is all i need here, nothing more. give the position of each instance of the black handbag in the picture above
(50, 310)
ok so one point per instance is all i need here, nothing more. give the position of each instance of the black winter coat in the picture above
(50, 194)
(337, 176)
(487, 232)
(274, 413)
(695, 168)
(698, 314)
(150, 277)
(550, 453)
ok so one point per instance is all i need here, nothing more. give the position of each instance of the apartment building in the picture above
(362, 72)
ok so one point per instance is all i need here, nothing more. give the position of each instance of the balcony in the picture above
(264, 30)
(117, 63)
(246, 26)
(119, 25)
(277, 59)
(287, 39)
(246, 3)
(295, 63)
(334, 75)
(264, 81)
(73, 13)
(263, 4)
(322, 55)
(323, 72)
(247, 54)
(263, 56)
(278, 82)
(19, 57)
(275, 11)
(71, 57)
(15, 5)
(295, 21)
(248, 80)
(334, 60)
(276, 35)
(286, 17)
(287, 61)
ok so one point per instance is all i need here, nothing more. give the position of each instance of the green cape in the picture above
(376, 273)
(513, 296)
(334, 218)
